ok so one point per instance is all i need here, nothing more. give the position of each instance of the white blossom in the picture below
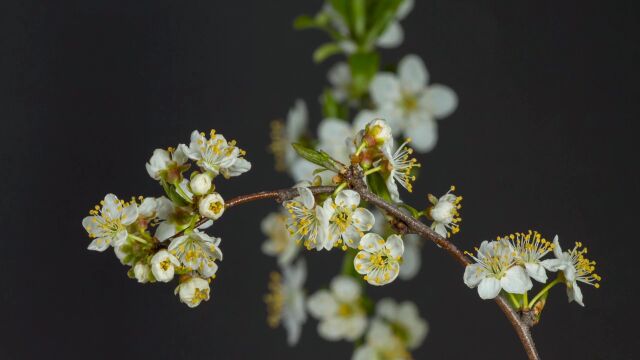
(107, 225)
(279, 241)
(286, 300)
(444, 213)
(142, 272)
(339, 310)
(193, 291)
(381, 344)
(347, 221)
(405, 321)
(406, 98)
(397, 168)
(197, 251)
(308, 223)
(411, 259)
(216, 155)
(339, 77)
(211, 206)
(393, 35)
(575, 268)
(167, 164)
(173, 219)
(530, 248)
(496, 269)
(379, 260)
(163, 265)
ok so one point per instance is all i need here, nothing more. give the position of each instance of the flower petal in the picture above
(423, 131)
(322, 304)
(372, 242)
(363, 219)
(473, 275)
(347, 198)
(392, 36)
(412, 73)
(307, 197)
(536, 272)
(440, 100)
(345, 288)
(385, 88)
(99, 244)
(489, 288)
(516, 281)
(395, 246)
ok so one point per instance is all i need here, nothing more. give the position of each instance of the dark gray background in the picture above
(543, 138)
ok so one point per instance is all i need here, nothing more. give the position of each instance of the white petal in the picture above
(129, 214)
(395, 246)
(297, 120)
(553, 264)
(372, 242)
(351, 237)
(489, 288)
(557, 250)
(413, 74)
(392, 36)
(387, 309)
(99, 244)
(354, 327)
(473, 275)
(347, 198)
(362, 262)
(322, 304)
(516, 281)
(536, 272)
(423, 130)
(165, 230)
(307, 197)
(385, 88)
(574, 293)
(345, 288)
(392, 187)
(404, 9)
(570, 273)
(440, 100)
(331, 329)
(411, 259)
(363, 219)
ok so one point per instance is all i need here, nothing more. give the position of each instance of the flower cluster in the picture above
(510, 263)
(161, 237)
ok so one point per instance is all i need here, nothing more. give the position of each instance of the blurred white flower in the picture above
(307, 223)
(335, 136)
(339, 310)
(407, 99)
(393, 35)
(444, 213)
(378, 259)
(347, 221)
(167, 164)
(339, 77)
(163, 265)
(412, 258)
(286, 300)
(211, 206)
(197, 251)
(381, 344)
(142, 272)
(405, 321)
(279, 241)
(575, 267)
(107, 223)
(193, 291)
(216, 155)
(283, 135)
(495, 269)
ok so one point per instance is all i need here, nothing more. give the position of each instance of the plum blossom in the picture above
(107, 223)
(286, 300)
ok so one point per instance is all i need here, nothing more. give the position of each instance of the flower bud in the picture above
(142, 272)
(192, 291)
(378, 132)
(211, 206)
(162, 265)
(200, 184)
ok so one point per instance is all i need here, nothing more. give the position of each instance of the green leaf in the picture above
(326, 50)
(382, 14)
(320, 158)
(363, 67)
(170, 190)
(304, 22)
(358, 17)
(377, 186)
(342, 8)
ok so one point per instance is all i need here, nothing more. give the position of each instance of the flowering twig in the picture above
(521, 324)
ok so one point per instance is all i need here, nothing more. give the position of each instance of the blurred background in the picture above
(542, 139)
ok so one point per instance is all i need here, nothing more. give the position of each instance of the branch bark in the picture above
(353, 176)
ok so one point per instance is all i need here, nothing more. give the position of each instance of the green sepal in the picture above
(170, 191)
(377, 186)
(320, 158)
(414, 212)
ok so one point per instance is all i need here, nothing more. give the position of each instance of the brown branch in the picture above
(354, 177)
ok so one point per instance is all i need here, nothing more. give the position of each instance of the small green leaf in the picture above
(377, 186)
(170, 190)
(304, 22)
(382, 15)
(320, 158)
(326, 50)
(358, 17)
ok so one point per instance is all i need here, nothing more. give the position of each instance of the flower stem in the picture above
(340, 187)
(544, 290)
(514, 301)
(361, 147)
(525, 301)
(373, 170)
(137, 238)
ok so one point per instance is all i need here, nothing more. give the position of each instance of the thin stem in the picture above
(525, 301)
(340, 187)
(514, 301)
(371, 171)
(354, 176)
(544, 290)
(360, 148)
(138, 239)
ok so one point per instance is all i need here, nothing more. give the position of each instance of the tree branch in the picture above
(354, 178)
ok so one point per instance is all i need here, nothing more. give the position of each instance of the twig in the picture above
(354, 177)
